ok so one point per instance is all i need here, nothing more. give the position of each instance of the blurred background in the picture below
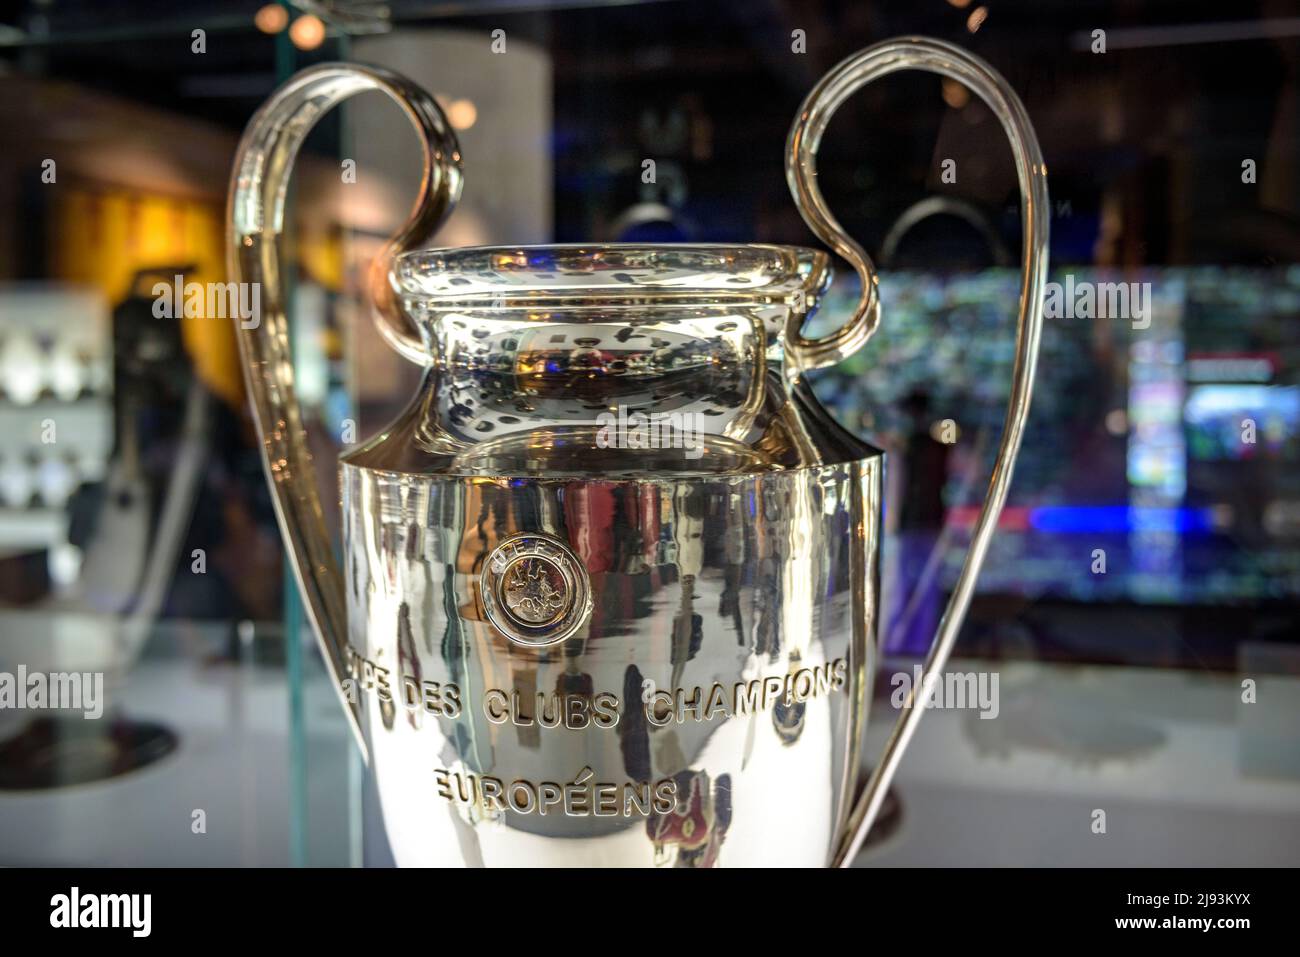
(1141, 602)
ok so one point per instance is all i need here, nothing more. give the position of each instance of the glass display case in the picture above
(1133, 643)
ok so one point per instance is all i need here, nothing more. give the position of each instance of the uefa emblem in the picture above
(535, 591)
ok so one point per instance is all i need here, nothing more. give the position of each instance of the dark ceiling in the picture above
(1187, 87)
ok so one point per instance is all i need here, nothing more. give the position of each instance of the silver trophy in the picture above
(609, 590)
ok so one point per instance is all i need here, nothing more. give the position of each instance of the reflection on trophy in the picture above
(609, 584)
(691, 834)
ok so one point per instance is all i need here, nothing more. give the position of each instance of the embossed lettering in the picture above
(666, 796)
(604, 710)
(582, 797)
(551, 719)
(772, 686)
(549, 795)
(529, 799)
(747, 697)
(574, 712)
(687, 705)
(451, 706)
(717, 704)
(495, 707)
(575, 715)
(823, 679)
(606, 800)
(577, 796)
(430, 696)
(653, 713)
(638, 796)
(443, 780)
(465, 788)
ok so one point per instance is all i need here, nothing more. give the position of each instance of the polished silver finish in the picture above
(611, 579)
(703, 586)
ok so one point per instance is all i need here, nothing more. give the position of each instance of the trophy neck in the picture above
(739, 419)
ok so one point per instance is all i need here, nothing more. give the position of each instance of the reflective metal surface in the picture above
(708, 712)
(729, 561)
(611, 578)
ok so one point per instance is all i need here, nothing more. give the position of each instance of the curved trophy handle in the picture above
(919, 53)
(258, 186)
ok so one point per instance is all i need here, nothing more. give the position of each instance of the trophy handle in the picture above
(259, 182)
(936, 56)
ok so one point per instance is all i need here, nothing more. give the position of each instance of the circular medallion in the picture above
(535, 590)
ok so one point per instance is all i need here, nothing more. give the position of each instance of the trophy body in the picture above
(709, 711)
(609, 584)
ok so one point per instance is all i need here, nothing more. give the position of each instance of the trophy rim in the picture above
(610, 272)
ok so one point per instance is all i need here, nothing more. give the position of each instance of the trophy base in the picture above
(54, 752)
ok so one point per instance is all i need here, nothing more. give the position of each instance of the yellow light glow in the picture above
(272, 18)
(307, 32)
(462, 114)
